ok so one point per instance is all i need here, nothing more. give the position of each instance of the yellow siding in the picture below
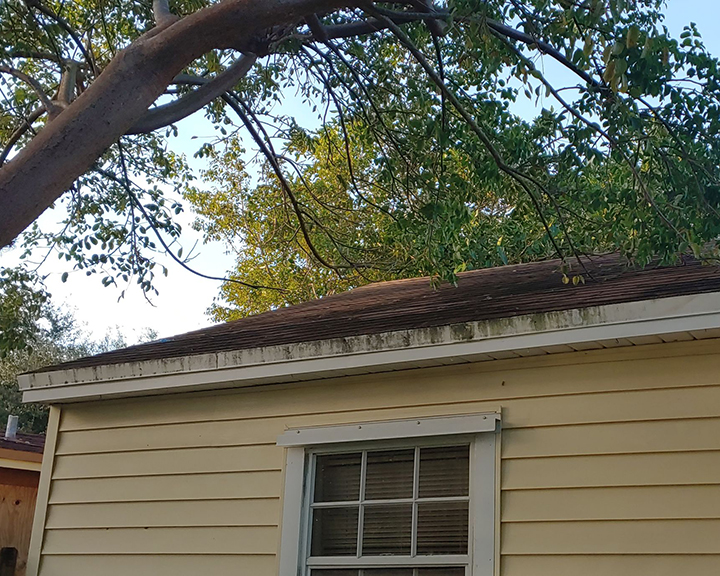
(610, 465)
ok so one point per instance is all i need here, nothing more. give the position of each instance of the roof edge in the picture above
(375, 353)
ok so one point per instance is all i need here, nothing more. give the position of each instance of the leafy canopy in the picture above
(408, 154)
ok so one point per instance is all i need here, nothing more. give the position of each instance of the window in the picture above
(403, 498)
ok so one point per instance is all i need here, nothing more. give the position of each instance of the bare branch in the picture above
(35, 85)
(386, 17)
(167, 114)
(66, 91)
(34, 55)
(135, 203)
(163, 15)
(272, 159)
(37, 4)
(370, 25)
(316, 28)
(18, 133)
(346, 143)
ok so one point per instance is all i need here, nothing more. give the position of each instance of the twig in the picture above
(134, 201)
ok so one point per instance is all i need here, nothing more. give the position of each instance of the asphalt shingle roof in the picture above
(484, 294)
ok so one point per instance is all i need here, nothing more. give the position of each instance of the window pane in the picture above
(442, 528)
(388, 572)
(444, 471)
(387, 529)
(389, 474)
(456, 571)
(334, 532)
(337, 477)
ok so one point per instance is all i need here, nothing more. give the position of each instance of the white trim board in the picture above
(394, 430)
(376, 353)
(302, 443)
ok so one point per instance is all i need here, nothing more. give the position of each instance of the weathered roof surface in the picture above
(411, 304)
(24, 443)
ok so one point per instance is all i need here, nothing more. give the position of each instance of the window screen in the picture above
(405, 502)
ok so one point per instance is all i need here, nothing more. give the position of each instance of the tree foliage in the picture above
(411, 157)
(34, 333)
(22, 301)
(53, 339)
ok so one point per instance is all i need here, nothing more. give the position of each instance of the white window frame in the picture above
(479, 429)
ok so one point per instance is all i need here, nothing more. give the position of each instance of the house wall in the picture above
(610, 465)
(18, 491)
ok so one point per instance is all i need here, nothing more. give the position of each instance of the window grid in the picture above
(361, 511)
(351, 562)
(416, 492)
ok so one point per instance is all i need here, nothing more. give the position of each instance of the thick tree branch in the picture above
(316, 28)
(173, 112)
(122, 94)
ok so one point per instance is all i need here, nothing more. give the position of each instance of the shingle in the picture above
(24, 443)
(484, 294)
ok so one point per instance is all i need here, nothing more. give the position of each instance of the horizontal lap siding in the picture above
(611, 565)
(156, 565)
(610, 465)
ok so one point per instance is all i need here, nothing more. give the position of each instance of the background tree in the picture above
(22, 302)
(33, 334)
(420, 164)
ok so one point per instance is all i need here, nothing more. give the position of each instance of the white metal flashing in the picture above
(376, 353)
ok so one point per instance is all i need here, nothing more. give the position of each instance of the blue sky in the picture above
(184, 298)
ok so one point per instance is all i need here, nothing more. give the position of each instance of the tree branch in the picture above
(316, 28)
(163, 16)
(52, 108)
(134, 201)
(34, 55)
(68, 84)
(114, 102)
(615, 145)
(18, 133)
(37, 4)
(474, 126)
(385, 18)
(175, 111)
(272, 159)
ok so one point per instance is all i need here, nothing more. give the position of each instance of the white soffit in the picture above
(377, 352)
